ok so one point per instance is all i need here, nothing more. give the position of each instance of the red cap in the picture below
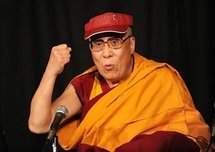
(108, 22)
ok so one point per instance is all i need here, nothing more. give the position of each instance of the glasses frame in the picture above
(122, 40)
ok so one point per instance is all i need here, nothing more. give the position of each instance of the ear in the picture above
(132, 44)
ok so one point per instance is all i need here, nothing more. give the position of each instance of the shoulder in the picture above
(162, 68)
(83, 78)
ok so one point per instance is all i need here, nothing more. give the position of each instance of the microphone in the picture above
(61, 112)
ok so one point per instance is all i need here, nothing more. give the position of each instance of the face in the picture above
(115, 65)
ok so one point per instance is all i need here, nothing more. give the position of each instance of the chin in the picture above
(111, 78)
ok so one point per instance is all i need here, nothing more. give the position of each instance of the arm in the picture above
(42, 110)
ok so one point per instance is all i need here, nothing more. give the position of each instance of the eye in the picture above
(97, 43)
(114, 41)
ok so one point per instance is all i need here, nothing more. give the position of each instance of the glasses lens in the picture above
(115, 43)
(96, 45)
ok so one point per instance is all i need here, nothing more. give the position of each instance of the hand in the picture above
(59, 57)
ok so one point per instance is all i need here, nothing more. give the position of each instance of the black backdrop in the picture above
(179, 32)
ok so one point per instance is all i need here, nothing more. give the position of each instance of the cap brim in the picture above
(118, 29)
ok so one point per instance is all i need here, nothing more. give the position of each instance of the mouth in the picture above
(108, 67)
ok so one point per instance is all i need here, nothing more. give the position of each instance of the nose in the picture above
(107, 51)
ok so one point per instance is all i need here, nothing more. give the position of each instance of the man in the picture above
(126, 102)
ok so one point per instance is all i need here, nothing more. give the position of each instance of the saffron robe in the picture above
(153, 98)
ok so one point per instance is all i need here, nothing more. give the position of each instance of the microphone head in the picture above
(62, 109)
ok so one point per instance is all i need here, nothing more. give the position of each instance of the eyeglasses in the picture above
(113, 43)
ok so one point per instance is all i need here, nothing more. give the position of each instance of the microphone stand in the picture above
(54, 144)
(50, 143)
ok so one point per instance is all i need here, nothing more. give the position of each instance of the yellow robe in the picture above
(153, 98)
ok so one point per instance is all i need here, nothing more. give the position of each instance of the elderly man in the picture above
(125, 101)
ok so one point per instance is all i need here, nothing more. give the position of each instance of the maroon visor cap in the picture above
(108, 22)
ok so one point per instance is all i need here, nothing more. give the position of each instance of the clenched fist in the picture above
(59, 57)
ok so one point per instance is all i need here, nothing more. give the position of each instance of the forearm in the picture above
(40, 112)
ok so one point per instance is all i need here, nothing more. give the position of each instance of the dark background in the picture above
(179, 32)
